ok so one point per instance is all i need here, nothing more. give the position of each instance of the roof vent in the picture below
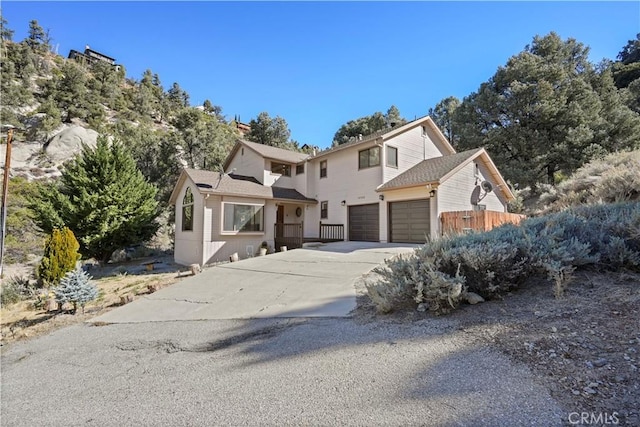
(393, 124)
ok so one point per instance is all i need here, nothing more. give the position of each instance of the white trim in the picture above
(238, 232)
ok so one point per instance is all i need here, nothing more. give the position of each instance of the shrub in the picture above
(15, 289)
(60, 256)
(76, 287)
(490, 264)
(612, 179)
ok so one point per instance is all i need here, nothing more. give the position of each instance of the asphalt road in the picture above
(306, 371)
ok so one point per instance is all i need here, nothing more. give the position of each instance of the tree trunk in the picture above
(551, 174)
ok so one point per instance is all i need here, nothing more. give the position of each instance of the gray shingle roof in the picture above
(276, 153)
(429, 171)
(247, 186)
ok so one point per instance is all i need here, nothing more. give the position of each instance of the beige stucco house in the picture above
(391, 186)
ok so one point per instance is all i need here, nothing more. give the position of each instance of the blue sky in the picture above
(320, 64)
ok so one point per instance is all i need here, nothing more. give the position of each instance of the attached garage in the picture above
(364, 223)
(409, 221)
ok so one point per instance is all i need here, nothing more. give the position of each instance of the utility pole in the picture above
(5, 193)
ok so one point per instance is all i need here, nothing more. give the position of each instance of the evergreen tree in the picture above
(52, 118)
(205, 141)
(178, 97)
(106, 82)
(155, 154)
(37, 40)
(393, 116)
(545, 113)
(442, 115)
(6, 34)
(21, 239)
(60, 256)
(367, 125)
(70, 91)
(76, 288)
(627, 69)
(103, 198)
(271, 131)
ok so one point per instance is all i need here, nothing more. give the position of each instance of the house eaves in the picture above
(267, 152)
(388, 133)
(222, 184)
(437, 170)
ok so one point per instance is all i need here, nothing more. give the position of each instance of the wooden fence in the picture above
(466, 221)
(331, 232)
(289, 235)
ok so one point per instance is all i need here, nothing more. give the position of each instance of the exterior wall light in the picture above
(344, 202)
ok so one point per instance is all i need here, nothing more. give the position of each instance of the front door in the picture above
(280, 220)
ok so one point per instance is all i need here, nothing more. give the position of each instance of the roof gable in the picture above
(267, 152)
(430, 171)
(388, 133)
(438, 169)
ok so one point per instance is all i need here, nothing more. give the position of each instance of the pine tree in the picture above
(6, 34)
(76, 288)
(103, 198)
(37, 39)
(60, 256)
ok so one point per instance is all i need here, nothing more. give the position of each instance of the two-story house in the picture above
(391, 186)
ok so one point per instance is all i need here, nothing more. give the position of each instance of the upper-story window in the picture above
(281, 168)
(392, 157)
(187, 211)
(369, 158)
(323, 169)
(300, 169)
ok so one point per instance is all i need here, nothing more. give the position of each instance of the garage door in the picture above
(409, 221)
(364, 223)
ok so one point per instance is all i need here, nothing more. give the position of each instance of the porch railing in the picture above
(289, 235)
(331, 232)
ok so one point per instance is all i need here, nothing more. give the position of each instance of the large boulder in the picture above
(21, 153)
(66, 144)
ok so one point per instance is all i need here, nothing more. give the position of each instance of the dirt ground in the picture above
(584, 347)
(117, 283)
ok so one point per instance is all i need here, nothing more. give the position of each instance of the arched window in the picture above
(187, 211)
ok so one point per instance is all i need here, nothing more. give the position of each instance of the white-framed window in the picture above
(369, 158)
(300, 169)
(323, 169)
(187, 211)
(392, 157)
(324, 210)
(242, 218)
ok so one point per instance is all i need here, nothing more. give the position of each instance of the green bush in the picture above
(490, 264)
(60, 256)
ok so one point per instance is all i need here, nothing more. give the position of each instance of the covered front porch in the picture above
(289, 228)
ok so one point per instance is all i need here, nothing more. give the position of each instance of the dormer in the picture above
(269, 165)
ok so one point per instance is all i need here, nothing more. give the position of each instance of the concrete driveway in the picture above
(314, 282)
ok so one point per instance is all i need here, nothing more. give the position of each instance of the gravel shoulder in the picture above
(584, 348)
